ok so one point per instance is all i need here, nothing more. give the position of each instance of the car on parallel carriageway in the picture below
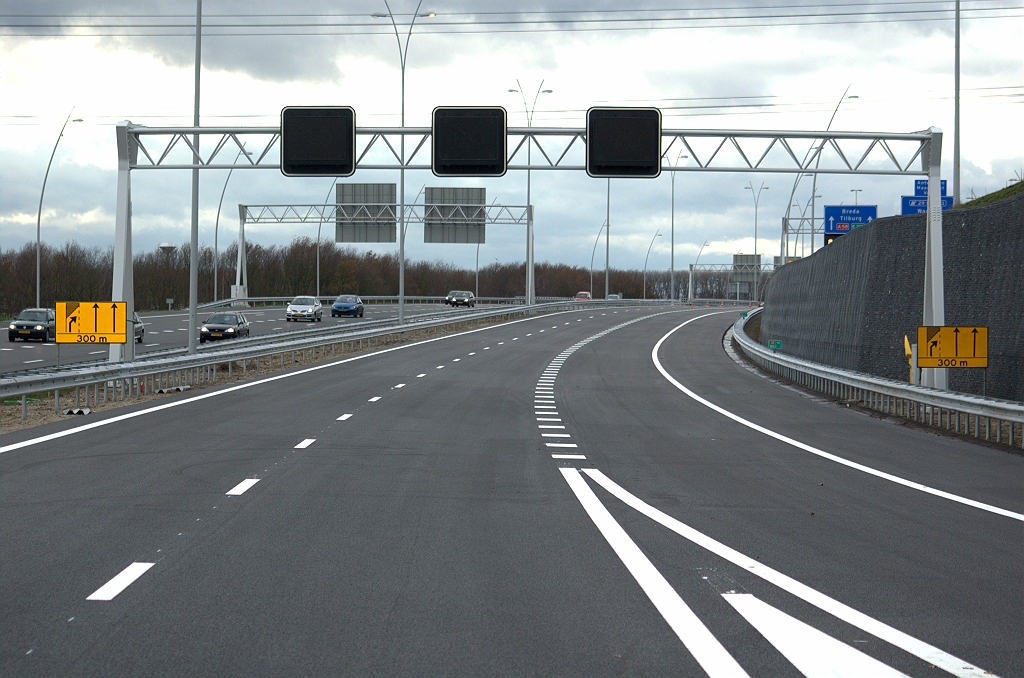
(140, 328)
(347, 304)
(451, 295)
(304, 308)
(33, 323)
(462, 298)
(582, 296)
(225, 325)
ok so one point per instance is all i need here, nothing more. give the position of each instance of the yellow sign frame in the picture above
(952, 346)
(92, 322)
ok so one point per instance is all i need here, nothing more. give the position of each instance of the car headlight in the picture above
(39, 327)
(204, 328)
(11, 327)
(230, 329)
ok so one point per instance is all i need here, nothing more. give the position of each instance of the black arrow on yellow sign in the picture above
(95, 317)
(71, 321)
(956, 341)
(113, 318)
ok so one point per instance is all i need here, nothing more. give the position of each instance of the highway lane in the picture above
(432, 532)
(170, 330)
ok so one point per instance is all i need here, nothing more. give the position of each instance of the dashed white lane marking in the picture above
(151, 344)
(456, 360)
(542, 330)
(241, 487)
(561, 445)
(305, 443)
(96, 352)
(120, 582)
(440, 367)
(344, 417)
(29, 362)
(918, 648)
(555, 435)
(168, 331)
(487, 348)
(399, 385)
(529, 335)
(549, 426)
(548, 419)
(6, 349)
(568, 456)
(815, 654)
(500, 343)
(373, 399)
(420, 376)
(814, 450)
(704, 647)
(472, 353)
(515, 338)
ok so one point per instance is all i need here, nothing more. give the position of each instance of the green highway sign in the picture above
(775, 344)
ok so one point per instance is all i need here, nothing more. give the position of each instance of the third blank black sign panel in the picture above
(623, 142)
(469, 142)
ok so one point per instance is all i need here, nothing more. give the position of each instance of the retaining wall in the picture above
(850, 303)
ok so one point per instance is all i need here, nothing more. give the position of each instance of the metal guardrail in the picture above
(991, 419)
(161, 373)
(371, 299)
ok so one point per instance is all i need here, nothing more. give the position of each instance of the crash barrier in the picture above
(991, 419)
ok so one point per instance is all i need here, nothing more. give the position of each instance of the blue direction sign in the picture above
(921, 189)
(840, 219)
(913, 204)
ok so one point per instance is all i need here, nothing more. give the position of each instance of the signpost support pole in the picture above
(689, 287)
(934, 293)
(123, 285)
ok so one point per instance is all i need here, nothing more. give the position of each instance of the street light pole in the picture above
(39, 214)
(689, 291)
(216, 225)
(607, 234)
(856, 194)
(596, 240)
(657, 235)
(402, 54)
(193, 275)
(673, 247)
(757, 262)
(530, 110)
(956, 108)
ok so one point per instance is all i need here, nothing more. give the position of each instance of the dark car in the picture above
(140, 329)
(347, 304)
(463, 299)
(33, 323)
(451, 295)
(224, 326)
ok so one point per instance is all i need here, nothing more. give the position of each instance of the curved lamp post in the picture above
(403, 52)
(216, 225)
(657, 235)
(672, 264)
(530, 110)
(757, 265)
(39, 213)
(596, 240)
(689, 290)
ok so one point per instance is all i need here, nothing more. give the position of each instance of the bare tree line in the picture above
(76, 273)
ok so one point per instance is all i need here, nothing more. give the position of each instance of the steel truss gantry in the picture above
(909, 154)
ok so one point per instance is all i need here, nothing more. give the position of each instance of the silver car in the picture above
(304, 308)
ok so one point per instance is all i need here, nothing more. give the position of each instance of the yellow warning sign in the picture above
(952, 346)
(92, 322)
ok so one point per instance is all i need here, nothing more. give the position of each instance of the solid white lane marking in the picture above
(548, 426)
(344, 417)
(399, 385)
(813, 653)
(814, 450)
(241, 487)
(704, 647)
(420, 376)
(555, 435)
(120, 582)
(561, 444)
(373, 399)
(568, 456)
(548, 419)
(305, 443)
(918, 648)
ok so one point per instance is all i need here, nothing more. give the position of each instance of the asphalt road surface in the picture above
(544, 497)
(170, 330)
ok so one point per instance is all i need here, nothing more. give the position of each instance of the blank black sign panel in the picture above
(623, 142)
(469, 142)
(318, 141)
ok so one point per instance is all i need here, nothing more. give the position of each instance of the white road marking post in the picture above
(120, 582)
(704, 647)
(241, 487)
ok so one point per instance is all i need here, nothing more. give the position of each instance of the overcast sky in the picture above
(733, 65)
